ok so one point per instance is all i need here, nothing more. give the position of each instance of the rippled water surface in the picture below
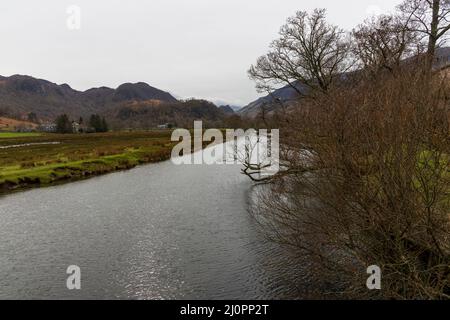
(159, 231)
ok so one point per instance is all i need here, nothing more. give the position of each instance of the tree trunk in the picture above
(433, 37)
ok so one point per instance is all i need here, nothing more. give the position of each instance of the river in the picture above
(158, 231)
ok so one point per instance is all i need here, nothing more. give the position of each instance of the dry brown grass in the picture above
(12, 124)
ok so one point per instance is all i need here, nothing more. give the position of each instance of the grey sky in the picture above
(192, 48)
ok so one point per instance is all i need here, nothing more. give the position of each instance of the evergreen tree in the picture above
(32, 117)
(98, 124)
(63, 124)
(104, 125)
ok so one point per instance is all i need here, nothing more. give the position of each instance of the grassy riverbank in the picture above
(7, 135)
(40, 160)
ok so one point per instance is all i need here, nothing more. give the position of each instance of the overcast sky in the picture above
(191, 48)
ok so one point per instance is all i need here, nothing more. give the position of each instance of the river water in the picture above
(159, 231)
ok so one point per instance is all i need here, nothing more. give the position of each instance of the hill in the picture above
(150, 113)
(268, 102)
(21, 95)
(227, 110)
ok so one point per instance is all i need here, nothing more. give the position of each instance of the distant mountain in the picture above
(131, 105)
(287, 94)
(227, 110)
(141, 92)
(221, 102)
(269, 102)
(21, 95)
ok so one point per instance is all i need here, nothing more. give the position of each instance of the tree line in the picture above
(95, 124)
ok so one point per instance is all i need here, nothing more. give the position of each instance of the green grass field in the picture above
(41, 163)
(8, 135)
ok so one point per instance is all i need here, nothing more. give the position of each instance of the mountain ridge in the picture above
(22, 94)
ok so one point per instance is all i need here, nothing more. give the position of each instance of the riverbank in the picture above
(28, 161)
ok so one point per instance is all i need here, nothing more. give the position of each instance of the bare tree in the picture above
(365, 176)
(383, 42)
(310, 52)
(368, 183)
(431, 18)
